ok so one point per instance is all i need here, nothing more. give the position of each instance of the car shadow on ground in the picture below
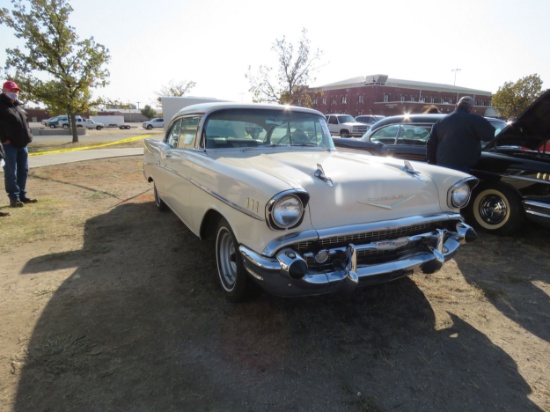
(140, 326)
(508, 275)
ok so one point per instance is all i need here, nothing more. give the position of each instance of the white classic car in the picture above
(290, 213)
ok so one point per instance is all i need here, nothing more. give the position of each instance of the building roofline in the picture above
(384, 80)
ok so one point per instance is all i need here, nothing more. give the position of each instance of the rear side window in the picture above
(386, 135)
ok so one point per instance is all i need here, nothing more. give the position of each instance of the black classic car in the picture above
(514, 168)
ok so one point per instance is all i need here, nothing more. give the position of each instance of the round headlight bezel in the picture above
(459, 195)
(286, 210)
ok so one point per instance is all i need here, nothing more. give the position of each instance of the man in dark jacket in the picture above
(15, 135)
(455, 140)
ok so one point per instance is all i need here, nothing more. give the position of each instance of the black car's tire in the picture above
(232, 275)
(344, 133)
(161, 206)
(496, 208)
(53, 126)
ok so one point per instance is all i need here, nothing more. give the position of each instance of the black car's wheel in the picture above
(344, 133)
(149, 127)
(53, 126)
(496, 209)
(159, 202)
(231, 272)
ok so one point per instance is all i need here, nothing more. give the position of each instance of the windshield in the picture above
(263, 127)
(346, 119)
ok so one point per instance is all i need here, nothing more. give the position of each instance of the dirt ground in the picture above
(109, 305)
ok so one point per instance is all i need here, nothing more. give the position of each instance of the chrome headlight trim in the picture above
(459, 194)
(286, 210)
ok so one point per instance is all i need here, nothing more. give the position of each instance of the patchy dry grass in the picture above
(109, 305)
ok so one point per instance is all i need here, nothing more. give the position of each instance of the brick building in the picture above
(379, 94)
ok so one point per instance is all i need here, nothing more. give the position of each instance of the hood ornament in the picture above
(407, 168)
(320, 174)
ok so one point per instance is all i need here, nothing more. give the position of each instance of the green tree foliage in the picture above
(513, 98)
(148, 112)
(290, 84)
(54, 67)
(176, 89)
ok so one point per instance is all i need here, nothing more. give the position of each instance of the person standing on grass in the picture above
(15, 135)
(455, 140)
(2, 214)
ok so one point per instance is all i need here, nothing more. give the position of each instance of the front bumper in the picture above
(288, 274)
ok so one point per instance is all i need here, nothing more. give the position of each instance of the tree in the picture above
(175, 89)
(54, 67)
(513, 98)
(293, 74)
(148, 112)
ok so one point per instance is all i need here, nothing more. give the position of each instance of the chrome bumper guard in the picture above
(289, 275)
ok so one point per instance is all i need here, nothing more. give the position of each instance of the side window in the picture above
(188, 132)
(385, 135)
(332, 120)
(413, 134)
(173, 135)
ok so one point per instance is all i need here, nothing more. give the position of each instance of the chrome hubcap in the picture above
(493, 209)
(227, 260)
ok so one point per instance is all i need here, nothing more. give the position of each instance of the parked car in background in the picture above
(46, 122)
(514, 168)
(63, 121)
(344, 125)
(153, 123)
(288, 212)
(368, 118)
(90, 124)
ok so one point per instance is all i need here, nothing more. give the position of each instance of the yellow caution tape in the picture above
(74, 149)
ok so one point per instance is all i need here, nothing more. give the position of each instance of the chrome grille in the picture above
(362, 238)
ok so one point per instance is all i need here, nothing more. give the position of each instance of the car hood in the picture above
(530, 129)
(357, 187)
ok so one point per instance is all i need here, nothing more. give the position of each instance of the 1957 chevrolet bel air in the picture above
(289, 213)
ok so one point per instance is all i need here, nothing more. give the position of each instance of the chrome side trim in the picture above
(511, 177)
(222, 199)
(537, 205)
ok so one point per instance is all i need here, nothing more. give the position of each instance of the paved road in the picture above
(79, 155)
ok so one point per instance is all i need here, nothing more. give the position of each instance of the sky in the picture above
(478, 44)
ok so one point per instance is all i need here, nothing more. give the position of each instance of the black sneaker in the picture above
(16, 203)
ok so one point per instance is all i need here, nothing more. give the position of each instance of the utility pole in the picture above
(455, 70)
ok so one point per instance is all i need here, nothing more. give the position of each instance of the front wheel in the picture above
(99, 127)
(496, 209)
(231, 272)
(149, 127)
(344, 133)
(159, 203)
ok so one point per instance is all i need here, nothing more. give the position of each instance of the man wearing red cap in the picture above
(15, 135)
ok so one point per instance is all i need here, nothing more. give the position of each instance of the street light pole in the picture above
(138, 106)
(455, 70)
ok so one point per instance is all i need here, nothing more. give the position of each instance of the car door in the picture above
(179, 167)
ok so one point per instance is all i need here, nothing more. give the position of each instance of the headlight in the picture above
(285, 211)
(459, 195)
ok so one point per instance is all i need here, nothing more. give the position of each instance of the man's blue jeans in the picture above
(16, 169)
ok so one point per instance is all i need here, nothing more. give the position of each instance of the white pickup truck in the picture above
(344, 125)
